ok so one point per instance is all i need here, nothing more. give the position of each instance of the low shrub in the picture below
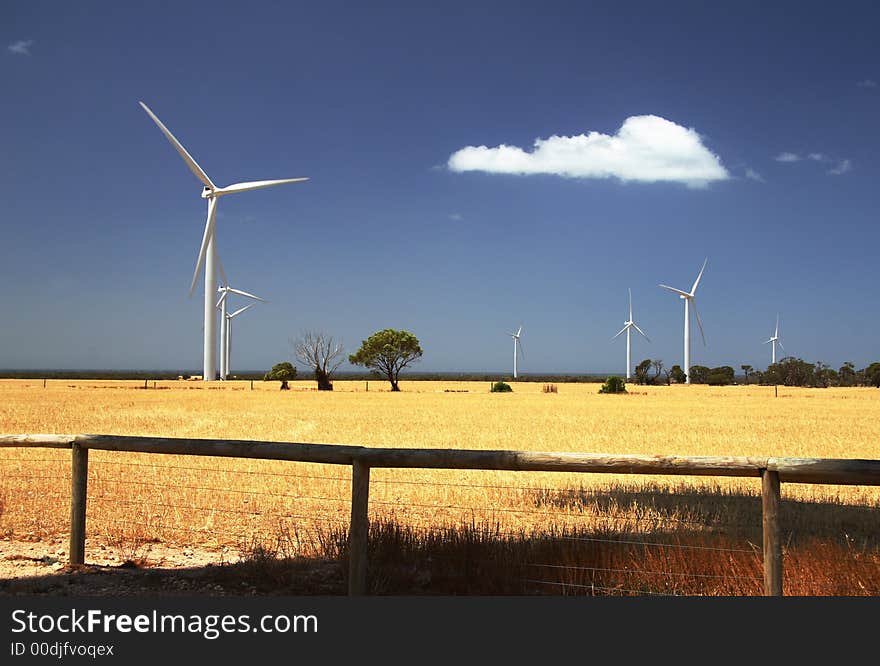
(613, 385)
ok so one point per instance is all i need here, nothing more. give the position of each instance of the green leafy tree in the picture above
(847, 374)
(699, 374)
(641, 372)
(281, 372)
(387, 352)
(677, 375)
(747, 371)
(721, 376)
(613, 385)
(872, 375)
(824, 376)
(791, 371)
(501, 387)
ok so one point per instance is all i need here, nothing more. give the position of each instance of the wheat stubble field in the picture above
(452, 531)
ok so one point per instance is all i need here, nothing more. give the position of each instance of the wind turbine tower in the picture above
(689, 302)
(517, 347)
(227, 351)
(224, 292)
(627, 325)
(208, 249)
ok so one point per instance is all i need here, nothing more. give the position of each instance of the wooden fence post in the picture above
(770, 494)
(78, 491)
(359, 529)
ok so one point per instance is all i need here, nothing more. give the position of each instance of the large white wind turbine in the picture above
(688, 297)
(517, 345)
(224, 292)
(208, 249)
(627, 325)
(775, 340)
(227, 351)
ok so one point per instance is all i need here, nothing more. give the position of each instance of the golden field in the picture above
(137, 499)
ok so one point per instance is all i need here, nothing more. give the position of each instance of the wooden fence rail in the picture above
(772, 472)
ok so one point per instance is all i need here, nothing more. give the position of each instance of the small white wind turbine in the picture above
(224, 292)
(227, 351)
(517, 346)
(208, 249)
(776, 341)
(627, 325)
(688, 297)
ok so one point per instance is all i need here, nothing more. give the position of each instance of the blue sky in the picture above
(755, 146)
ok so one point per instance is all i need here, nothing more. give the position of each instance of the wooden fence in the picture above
(772, 471)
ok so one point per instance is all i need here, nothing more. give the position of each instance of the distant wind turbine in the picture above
(776, 341)
(224, 292)
(227, 351)
(517, 346)
(627, 325)
(688, 297)
(208, 249)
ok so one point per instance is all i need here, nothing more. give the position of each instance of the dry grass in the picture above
(299, 510)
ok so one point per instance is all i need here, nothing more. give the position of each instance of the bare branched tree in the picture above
(658, 368)
(318, 351)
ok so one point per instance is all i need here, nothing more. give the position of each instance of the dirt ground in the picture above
(40, 567)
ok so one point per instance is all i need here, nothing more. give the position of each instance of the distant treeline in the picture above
(787, 372)
(790, 371)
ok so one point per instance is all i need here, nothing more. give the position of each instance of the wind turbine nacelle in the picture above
(207, 192)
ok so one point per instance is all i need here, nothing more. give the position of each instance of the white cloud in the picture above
(645, 149)
(754, 175)
(842, 167)
(867, 83)
(21, 47)
(457, 217)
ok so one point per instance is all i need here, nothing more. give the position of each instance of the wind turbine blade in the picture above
(621, 331)
(239, 311)
(780, 345)
(630, 303)
(209, 232)
(776, 333)
(767, 341)
(519, 346)
(222, 298)
(697, 281)
(190, 162)
(677, 291)
(519, 331)
(642, 332)
(256, 184)
(697, 315)
(244, 293)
